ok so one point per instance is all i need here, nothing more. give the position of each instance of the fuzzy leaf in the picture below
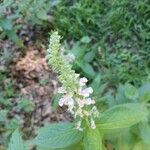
(92, 140)
(122, 116)
(58, 136)
(16, 142)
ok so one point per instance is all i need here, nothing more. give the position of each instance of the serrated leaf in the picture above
(122, 116)
(58, 136)
(16, 142)
(131, 92)
(92, 140)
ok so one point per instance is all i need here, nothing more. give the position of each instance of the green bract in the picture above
(60, 64)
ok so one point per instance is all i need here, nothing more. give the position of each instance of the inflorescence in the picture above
(75, 93)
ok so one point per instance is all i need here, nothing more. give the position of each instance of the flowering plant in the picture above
(75, 93)
(89, 125)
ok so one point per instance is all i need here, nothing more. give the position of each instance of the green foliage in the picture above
(131, 92)
(144, 92)
(122, 116)
(116, 33)
(26, 12)
(3, 115)
(131, 113)
(92, 140)
(16, 142)
(145, 132)
(58, 136)
(26, 105)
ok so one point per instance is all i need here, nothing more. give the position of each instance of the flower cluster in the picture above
(79, 103)
(75, 94)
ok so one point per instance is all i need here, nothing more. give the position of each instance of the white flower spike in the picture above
(75, 93)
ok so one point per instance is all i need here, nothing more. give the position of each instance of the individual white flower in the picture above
(70, 109)
(93, 126)
(61, 102)
(94, 111)
(83, 81)
(79, 112)
(89, 101)
(85, 92)
(66, 100)
(77, 75)
(78, 125)
(81, 103)
(61, 90)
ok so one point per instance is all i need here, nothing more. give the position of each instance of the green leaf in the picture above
(77, 146)
(120, 96)
(96, 82)
(42, 14)
(16, 142)
(14, 37)
(89, 56)
(56, 100)
(26, 105)
(140, 146)
(122, 116)
(92, 140)
(145, 132)
(131, 92)
(87, 69)
(85, 39)
(144, 92)
(58, 136)
(3, 115)
(78, 50)
(6, 24)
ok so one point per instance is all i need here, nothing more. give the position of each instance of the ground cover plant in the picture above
(95, 90)
(89, 125)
